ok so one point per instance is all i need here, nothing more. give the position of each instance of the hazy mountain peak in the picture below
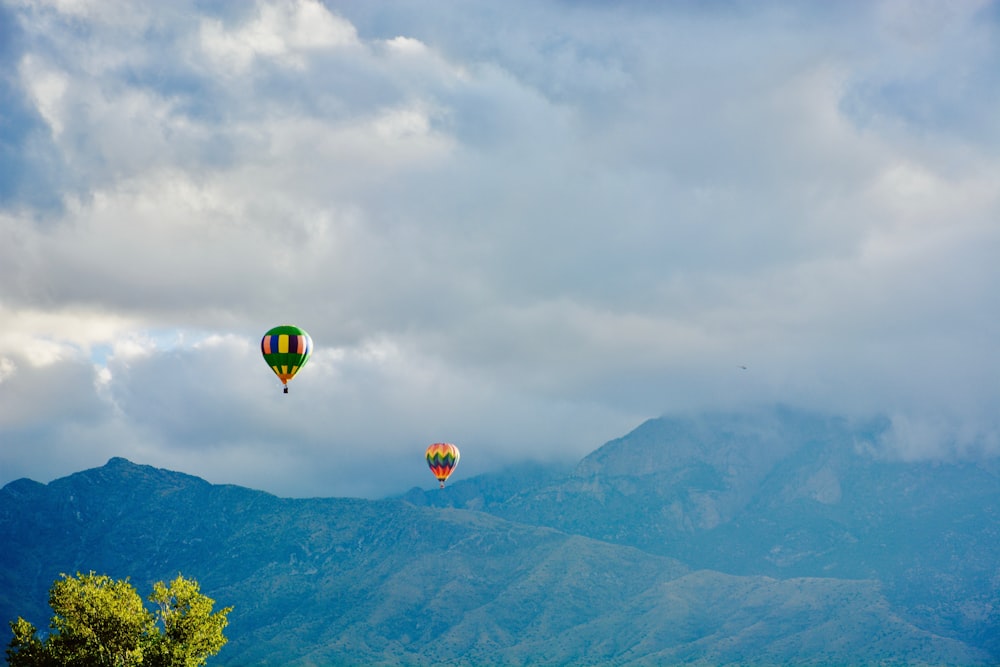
(734, 444)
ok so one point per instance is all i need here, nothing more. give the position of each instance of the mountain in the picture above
(610, 563)
(784, 494)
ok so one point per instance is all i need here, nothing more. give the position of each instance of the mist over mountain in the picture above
(774, 538)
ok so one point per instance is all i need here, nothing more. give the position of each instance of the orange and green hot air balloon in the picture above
(442, 457)
(286, 349)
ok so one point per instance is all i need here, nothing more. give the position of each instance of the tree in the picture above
(102, 622)
(191, 632)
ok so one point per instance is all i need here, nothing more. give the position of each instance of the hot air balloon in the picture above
(286, 349)
(442, 457)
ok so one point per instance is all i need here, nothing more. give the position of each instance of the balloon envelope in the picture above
(442, 457)
(286, 349)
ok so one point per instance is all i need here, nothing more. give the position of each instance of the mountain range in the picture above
(767, 538)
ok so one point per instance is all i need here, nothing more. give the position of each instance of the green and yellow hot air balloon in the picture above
(286, 349)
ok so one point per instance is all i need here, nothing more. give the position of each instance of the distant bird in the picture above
(743, 367)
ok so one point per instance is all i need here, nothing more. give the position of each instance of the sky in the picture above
(524, 227)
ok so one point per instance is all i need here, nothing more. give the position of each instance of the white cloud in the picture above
(47, 87)
(7, 368)
(407, 46)
(284, 31)
(518, 230)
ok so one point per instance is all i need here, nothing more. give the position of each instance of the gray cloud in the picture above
(524, 229)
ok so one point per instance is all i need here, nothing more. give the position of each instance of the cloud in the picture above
(523, 230)
(283, 32)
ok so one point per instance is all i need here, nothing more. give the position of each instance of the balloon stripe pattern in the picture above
(286, 350)
(442, 457)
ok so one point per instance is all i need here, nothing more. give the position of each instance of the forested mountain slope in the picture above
(676, 544)
(783, 494)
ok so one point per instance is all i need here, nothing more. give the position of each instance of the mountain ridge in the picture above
(501, 569)
(784, 493)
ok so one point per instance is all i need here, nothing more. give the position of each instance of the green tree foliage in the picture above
(102, 622)
(191, 632)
